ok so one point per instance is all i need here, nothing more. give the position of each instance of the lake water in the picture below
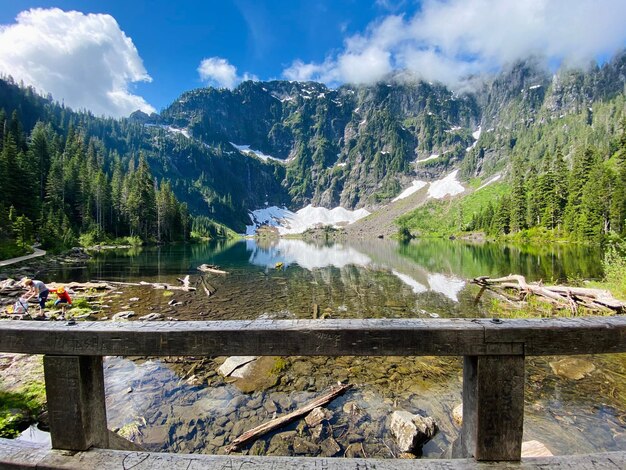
(168, 405)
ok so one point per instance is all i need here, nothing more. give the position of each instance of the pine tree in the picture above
(517, 209)
(142, 202)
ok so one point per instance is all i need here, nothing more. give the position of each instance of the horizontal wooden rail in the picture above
(21, 455)
(370, 337)
(493, 369)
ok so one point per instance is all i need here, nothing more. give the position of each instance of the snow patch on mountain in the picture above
(416, 185)
(431, 157)
(246, 149)
(288, 222)
(172, 130)
(476, 134)
(448, 186)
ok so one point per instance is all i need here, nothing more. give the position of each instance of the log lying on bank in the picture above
(276, 423)
(155, 285)
(562, 296)
(11, 285)
(209, 268)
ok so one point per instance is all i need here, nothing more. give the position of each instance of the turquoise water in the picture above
(360, 279)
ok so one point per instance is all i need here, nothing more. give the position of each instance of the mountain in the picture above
(339, 147)
(280, 143)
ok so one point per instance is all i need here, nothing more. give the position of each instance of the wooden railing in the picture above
(493, 370)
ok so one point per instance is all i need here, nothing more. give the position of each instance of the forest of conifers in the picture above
(583, 199)
(59, 182)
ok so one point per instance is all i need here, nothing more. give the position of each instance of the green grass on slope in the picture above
(439, 218)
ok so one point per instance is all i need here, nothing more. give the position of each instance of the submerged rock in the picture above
(572, 368)
(233, 363)
(316, 416)
(329, 447)
(457, 414)
(151, 317)
(304, 447)
(411, 431)
(125, 315)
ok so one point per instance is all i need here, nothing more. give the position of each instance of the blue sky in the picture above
(113, 56)
(261, 38)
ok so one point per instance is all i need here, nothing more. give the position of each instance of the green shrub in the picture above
(80, 303)
(614, 265)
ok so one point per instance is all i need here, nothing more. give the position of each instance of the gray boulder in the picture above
(411, 431)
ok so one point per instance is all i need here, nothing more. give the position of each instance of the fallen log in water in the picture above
(185, 283)
(209, 268)
(561, 296)
(154, 285)
(208, 288)
(276, 423)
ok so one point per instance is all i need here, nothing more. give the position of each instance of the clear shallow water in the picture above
(362, 279)
(175, 412)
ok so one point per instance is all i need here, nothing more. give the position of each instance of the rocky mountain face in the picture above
(227, 152)
(358, 146)
(353, 146)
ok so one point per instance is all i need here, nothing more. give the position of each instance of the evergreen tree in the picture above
(517, 211)
(141, 204)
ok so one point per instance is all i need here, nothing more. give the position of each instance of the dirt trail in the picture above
(36, 253)
(381, 222)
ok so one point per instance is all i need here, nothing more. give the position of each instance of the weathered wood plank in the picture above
(453, 337)
(76, 401)
(254, 338)
(561, 336)
(493, 407)
(17, 455)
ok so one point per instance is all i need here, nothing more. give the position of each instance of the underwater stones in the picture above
(329, 447)
(217, 441)
(151, 317)
(411, 431)
(124, 315)
(572, 368)
(303, 447)
(457, 414)
(255, 403)
(280, 444)
(221, 421)
(270, 406)
(236, 402)
(316, 416)
(258, 448)
(233, 363)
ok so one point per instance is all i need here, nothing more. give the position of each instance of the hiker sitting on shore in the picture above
(63, 299)
(39, 288)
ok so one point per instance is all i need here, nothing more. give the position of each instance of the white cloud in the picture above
(219, 72)
(301, 72)
(85, 60)
(448, 40)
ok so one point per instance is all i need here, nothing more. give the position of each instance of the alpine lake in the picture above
(573, 405)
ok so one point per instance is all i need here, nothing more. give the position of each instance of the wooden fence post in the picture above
(493, 407)
(76, 402)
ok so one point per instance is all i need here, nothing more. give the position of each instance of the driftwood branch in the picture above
(208, 288)
(185, 282)
(561, 296)
(209, 268)
(276, 423)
